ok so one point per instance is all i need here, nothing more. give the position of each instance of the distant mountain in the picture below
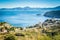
(58, 7)
(3, 8)
(28, 8)
(55, 14)
(17, 8)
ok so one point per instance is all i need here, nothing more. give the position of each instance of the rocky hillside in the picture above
(5, 24)
(52, 24)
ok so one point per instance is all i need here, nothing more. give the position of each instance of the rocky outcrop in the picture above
(4, 26)
(51, 24)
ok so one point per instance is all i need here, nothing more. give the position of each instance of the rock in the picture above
(19, 34)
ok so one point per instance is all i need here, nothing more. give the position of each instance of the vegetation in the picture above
(9, 37)
(57, 37)
(31, 33)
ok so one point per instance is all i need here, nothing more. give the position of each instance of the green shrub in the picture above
(9, 37)
(44, 38)
(57, 37)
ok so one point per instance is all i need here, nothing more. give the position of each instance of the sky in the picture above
(29, 3)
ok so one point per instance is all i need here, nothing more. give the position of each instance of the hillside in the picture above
(48, 30)
(53, 14)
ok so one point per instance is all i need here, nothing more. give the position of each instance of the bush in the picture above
(12, 29)
(44, 38)
(9, 37)
(57, 37)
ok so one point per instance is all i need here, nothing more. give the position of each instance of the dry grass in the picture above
(30, 34)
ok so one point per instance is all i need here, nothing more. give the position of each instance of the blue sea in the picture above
(22, 18)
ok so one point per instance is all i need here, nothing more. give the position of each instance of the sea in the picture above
(22, 18)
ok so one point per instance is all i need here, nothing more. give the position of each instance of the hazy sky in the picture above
(30, 3)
